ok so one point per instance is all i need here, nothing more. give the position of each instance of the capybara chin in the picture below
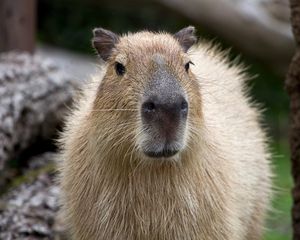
(164, 144)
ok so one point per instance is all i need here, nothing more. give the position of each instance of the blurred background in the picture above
(257, 32)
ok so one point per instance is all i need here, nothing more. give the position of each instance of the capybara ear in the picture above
(186, 37)
(104, 41)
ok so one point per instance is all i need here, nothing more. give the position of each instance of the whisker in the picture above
(113, 109)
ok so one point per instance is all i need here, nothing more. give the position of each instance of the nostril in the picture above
(148, 107)
(184, 106)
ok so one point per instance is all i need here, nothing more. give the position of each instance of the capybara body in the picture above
(164, 144)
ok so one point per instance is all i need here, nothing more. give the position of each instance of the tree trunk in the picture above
(34, 95)
(17, 25)
(293, 88)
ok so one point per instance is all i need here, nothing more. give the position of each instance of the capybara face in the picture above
(149, 80)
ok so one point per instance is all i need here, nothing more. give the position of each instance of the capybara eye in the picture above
(120, 68)
(187, 66)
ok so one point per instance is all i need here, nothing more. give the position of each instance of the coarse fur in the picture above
(217, 188)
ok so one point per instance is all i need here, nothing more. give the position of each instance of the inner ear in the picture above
(104, 42)
(186, 37)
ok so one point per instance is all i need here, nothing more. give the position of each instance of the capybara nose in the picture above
(165, 112)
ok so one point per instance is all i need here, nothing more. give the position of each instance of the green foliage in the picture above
(279, 223)
(69, 23)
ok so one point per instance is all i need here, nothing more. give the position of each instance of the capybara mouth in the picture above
(159, 154)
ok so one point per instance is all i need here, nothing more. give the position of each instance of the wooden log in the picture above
(17, 25)
(34, 95)
(293, 89)
(29, 210)
(258, 28)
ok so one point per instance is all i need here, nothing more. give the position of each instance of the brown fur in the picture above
(217, 188)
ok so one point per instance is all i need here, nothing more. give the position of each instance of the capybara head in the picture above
(148, 90)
